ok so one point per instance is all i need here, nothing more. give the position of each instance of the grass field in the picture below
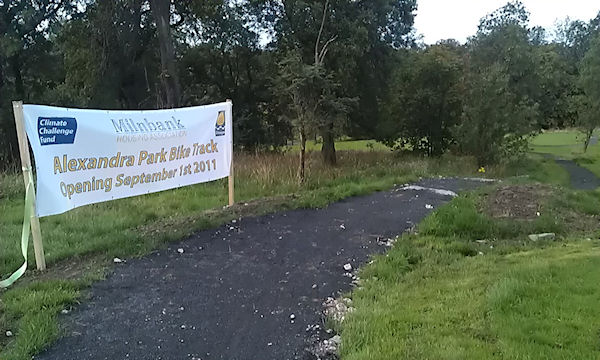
(81, 243)
(559, 138)
(469, 286)
(568, 144)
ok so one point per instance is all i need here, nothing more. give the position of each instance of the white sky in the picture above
(458, 19)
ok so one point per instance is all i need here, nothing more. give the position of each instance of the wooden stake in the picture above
(231, 179)
(38, 246)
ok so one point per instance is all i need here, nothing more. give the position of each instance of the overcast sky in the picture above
(458, 19)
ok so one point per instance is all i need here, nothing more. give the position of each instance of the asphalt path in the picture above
(251, 289)
(581, 178)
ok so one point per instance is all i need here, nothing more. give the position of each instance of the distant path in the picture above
(249, 290)
(581, 178)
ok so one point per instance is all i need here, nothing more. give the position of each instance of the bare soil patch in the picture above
(518, 202)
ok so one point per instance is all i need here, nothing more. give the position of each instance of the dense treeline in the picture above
(507, 82)
(300, 69)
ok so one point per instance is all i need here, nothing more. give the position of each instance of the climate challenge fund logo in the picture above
(220, 125)
(56, 130)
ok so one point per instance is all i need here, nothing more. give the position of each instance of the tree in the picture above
(590, 83)
(502, 77)
(425, 100)
(30, 68)
(390, 33)
(302, 87)
(558, 84)
(225, 60)
(109, 58)
(502, 103)
(576, 37)
(496, 122)
(310, 93)
(309, 29)
(504, 38)
(169, 76)
(328, 126)
(358, 27)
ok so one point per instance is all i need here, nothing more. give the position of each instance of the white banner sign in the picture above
(90, 156)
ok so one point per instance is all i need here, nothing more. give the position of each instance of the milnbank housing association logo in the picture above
(129, 126)
(56, 130)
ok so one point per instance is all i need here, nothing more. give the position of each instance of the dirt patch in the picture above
(520, 202)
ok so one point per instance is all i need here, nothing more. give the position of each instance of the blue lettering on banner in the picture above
(55, 131)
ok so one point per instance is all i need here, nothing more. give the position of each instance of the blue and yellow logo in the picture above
(220, 125)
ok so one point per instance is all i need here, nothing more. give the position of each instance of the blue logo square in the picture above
(56, 130)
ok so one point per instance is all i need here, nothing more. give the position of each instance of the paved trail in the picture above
(581, 178)
(231, 293)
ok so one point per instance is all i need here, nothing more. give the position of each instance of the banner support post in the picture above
(231, 175)
(38, 245)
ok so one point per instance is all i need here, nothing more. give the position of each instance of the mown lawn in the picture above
(81, 243)
(469, 286)
(559, 138)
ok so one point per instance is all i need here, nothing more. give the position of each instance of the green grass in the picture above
(81, 243)
(559, 138)
(534, 168)
(36, 308)
(542, 306)
(534, 305)
(468, 286)
(568, 145)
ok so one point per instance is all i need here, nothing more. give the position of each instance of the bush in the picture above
(496, 123)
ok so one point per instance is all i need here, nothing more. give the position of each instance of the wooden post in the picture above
(231, 178)
(38, 246)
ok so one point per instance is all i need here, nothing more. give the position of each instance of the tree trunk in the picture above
(169, 78)
(1, 74)
(16, 69)
(301, 173)
(328, 147)
(588, 139)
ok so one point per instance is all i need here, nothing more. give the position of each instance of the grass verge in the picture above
(469, 285)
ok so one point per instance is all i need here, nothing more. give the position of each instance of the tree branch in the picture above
(326, 48)
(317, 62)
